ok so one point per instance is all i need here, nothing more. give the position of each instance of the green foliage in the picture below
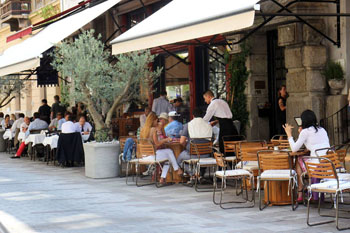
(333, 70)
(10, 86)
(48, 11)
(238, 77)
(101, 85)
(102, 135)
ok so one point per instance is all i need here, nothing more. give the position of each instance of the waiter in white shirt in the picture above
(220, 109)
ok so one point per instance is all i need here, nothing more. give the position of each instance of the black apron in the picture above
(226, 129)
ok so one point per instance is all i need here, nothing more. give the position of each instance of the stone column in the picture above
(305, 58)
(257, 88)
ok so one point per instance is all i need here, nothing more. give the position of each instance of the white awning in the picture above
(26, 55)
(182, 20)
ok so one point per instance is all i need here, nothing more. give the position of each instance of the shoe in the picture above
(149, 171)
(15, 157)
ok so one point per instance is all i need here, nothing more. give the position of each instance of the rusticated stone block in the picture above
(296, 80)
(292, 58)
(314, 56)
(315, 80)
(310, 36)
(289, 34)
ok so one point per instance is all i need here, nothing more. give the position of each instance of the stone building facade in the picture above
(305, 53)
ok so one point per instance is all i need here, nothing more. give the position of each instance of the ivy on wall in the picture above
(238, 76)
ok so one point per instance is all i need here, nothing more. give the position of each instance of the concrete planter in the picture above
(101, 160)
(336, 86)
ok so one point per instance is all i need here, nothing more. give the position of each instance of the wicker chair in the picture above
(276, 166)
(200, 149)
(147, 157)
(237, 175)
(231, 144)
(281, 141)
(324, 168)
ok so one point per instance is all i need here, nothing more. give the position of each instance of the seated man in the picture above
(197, 130)
(37, 124)
(69, 126)
(55, 122)
(83, 127)
(174, 127)
(15, 129)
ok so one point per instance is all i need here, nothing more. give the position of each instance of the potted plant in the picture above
(334, 74)
(103, 83)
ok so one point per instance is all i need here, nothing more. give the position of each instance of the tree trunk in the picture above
(116, 103)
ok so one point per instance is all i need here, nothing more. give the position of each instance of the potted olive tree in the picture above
(334, 74)
(103, 83)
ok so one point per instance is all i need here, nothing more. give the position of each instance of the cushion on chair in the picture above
(248, 165)
(230, 158)
(207, 161)
(330, 185)
(277, 174)
(233, 173)
(341, 177)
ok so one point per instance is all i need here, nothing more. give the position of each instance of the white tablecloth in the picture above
(51, 141)
(8, 134)
(35, 139)
(21, 136)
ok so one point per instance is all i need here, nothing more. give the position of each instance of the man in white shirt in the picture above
(220, 109)
(161, 104)
(17, 123)
(144, 116)
(16, 127)
(84, 128)
(24, 126)
(69, 126)
(37, 124)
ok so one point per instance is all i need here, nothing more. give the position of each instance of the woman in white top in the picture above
(312, 136)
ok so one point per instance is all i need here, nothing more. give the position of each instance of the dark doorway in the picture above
(276, 78)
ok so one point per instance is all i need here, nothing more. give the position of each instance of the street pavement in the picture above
(35, 197)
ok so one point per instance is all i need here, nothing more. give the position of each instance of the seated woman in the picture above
(312, 136)
(149, 131)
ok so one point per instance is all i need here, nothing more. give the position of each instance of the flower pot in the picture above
(336, 86)
(101, 160)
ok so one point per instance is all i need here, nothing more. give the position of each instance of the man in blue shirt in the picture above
(37, 124)
(174, 127)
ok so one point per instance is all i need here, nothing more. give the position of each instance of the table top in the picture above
(51, 141)
(35, 139)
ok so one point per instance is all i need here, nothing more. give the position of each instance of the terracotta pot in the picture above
(336, 86)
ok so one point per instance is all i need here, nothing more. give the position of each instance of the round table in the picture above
(8, 135)
(177, 149)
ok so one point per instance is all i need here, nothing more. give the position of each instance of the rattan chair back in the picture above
(202, 148)
(122, 140)
(146, 147)
(322, 169)
(274, 160)
(333, 156)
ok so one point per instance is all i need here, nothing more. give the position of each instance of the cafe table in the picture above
(177, 148)
(8, 134)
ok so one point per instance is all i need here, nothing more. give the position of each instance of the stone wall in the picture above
(305, 58)
(258, 127)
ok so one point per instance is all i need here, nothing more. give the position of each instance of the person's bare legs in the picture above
(300, 180)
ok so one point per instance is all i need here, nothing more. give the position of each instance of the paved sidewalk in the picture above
(35, 197)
